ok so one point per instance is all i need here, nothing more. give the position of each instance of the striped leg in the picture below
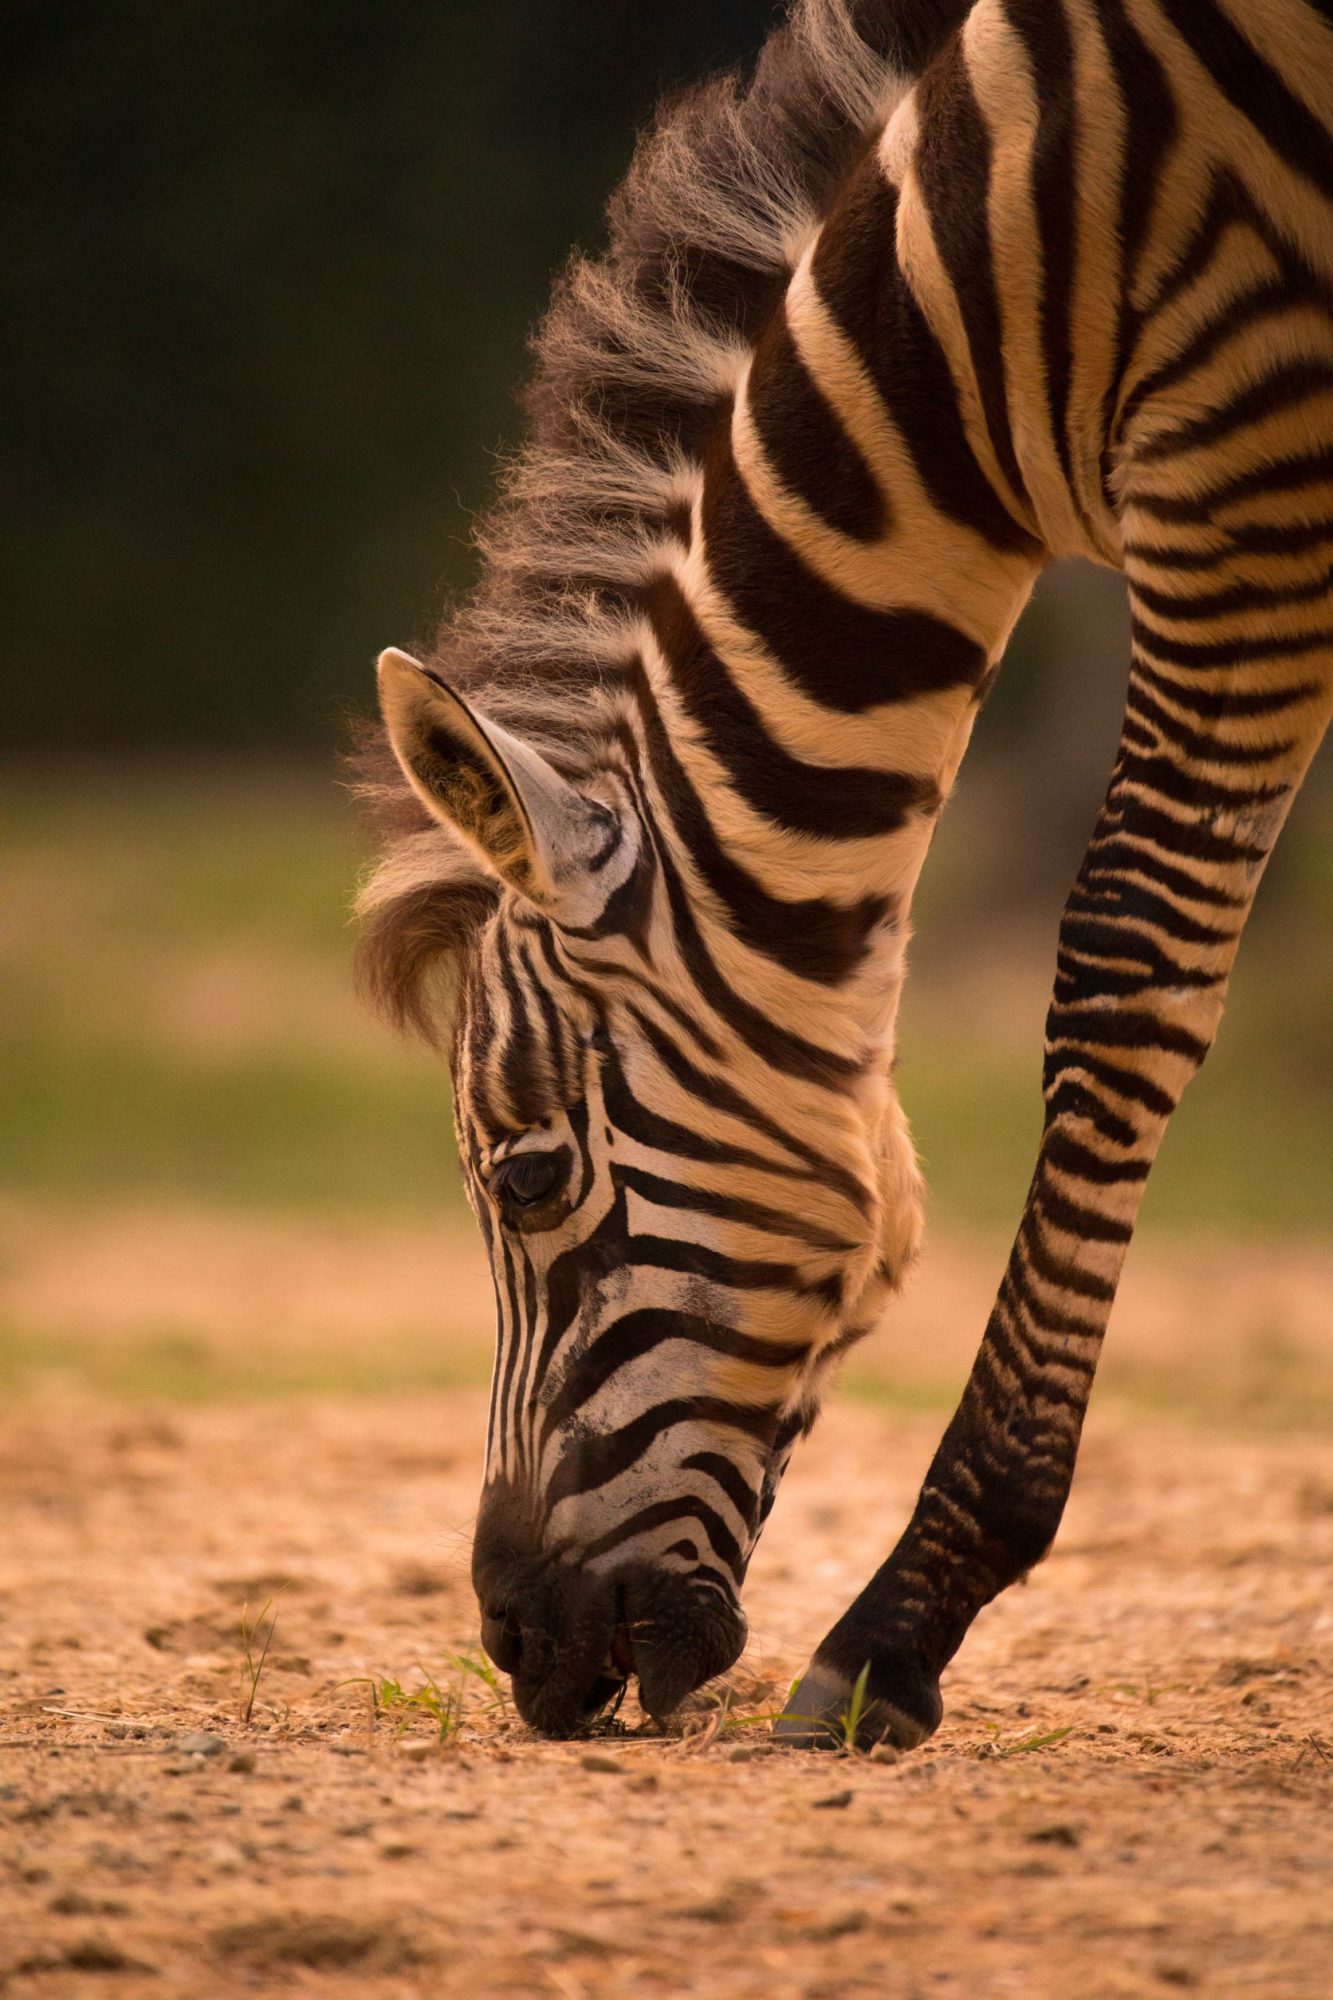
(1219, 728)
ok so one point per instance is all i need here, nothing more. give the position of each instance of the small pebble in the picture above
(598, 1760)
(198, 1743)
(242, 1763)
(834, 1802)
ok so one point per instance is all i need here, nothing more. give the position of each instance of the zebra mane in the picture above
(641, 348)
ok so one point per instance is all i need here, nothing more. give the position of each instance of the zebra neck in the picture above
(816, 652)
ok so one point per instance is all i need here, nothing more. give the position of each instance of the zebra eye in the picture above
(526, 1180)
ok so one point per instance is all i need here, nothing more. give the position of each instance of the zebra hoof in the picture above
(822, 1714)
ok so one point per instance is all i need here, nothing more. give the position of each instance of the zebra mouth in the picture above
(620, 1656)
(572, 1642)
(618, 1668)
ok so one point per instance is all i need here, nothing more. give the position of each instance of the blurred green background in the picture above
(270, 277)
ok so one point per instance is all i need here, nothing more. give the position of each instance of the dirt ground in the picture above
(1132, 1792)
(135, 1298)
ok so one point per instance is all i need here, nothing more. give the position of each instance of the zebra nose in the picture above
(502, 1638)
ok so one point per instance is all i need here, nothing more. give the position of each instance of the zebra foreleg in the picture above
(1210, 758)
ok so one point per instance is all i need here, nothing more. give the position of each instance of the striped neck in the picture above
(820, 635)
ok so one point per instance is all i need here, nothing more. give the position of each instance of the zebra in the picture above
(932, 296)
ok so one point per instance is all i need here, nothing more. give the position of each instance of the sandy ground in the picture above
(1223, 1327)
(1132, 1792)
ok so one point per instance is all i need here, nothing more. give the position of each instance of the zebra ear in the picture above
(510, 805)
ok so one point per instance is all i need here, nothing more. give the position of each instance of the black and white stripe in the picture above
(863, 354)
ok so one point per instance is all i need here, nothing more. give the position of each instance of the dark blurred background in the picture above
(270, 270)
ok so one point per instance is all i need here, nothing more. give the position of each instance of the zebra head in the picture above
(689, 1210)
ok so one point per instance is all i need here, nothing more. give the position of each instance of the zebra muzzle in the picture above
(570, 1639)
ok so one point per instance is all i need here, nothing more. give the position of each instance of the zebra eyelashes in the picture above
(526, 1188)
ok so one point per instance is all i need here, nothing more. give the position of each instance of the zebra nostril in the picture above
(502, 1639)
